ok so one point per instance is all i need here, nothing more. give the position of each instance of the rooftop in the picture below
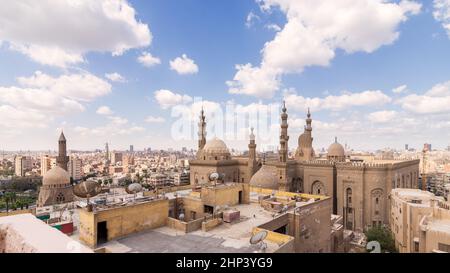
(226, 238)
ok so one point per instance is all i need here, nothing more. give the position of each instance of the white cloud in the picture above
(313, 32)
(80, 87)
(152, 119)
(43, 97)
(115, 77)
(183, 65)
(336, 103)
(382, 116)
(400, 89)
(250, 20)
(442, 13)
(167, 98)
(61, 32)
(118, 120)
(434, 101)
(105, 111)
(273, 27)
(146, 59)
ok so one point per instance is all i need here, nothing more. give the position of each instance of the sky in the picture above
(374, 73)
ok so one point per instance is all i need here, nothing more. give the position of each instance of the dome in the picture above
(216, 147)
(265, 178)
(336, 150)
(56, 176)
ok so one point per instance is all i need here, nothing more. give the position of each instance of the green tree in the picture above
(384, 236)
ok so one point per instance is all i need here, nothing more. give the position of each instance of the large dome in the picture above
(216, 149)
(336, 151)
(56, 176)
(265, 178)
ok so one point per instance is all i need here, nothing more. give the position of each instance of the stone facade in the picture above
(359, 191)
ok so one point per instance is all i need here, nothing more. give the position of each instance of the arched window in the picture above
(318, 188)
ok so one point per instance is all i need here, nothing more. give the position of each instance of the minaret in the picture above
(252, 155)
(62, 160)
(284, 138)
(201, 132)
(305, 150)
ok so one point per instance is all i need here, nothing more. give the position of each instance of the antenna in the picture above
(258, 239)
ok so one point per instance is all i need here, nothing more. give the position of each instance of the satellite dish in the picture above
(181, 217)
(133, 188)
(258, 237)
(87, 189)
(214, 177)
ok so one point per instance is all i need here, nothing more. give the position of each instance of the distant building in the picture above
(47, 162)
(131, 149)
(427, 147)
(406, 147)
(116, 157)
(181, 178)
(420, 221)
(75, 168)
(22, 165)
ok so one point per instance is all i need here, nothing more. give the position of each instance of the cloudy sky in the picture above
(375, 73)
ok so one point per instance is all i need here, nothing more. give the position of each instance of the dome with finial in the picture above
(216, 149)
(336, 151)
(56, 176)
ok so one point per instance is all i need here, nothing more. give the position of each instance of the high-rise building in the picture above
(427, 147)
(22, 165)
(131, 149)
(47, 163)
(406, 147)
(75, 168)
(115, 157)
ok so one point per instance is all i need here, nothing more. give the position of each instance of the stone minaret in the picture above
(62, 160)
(252, 163)
(201, 132)
(305, 150)
(284, 138)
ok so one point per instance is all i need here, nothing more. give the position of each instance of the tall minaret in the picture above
(252, 155)
(284, 138)
(201, 131)
(62, 160)
(305, 150)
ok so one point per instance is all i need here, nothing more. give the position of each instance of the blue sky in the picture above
(385, 45)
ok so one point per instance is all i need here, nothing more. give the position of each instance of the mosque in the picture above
(359, 190)
(56, 186)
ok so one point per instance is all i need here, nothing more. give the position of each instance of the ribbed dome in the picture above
(56, 176)
(336, 150)
(265, 178)
(216, 146)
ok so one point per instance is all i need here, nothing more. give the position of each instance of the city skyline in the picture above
(373, 81)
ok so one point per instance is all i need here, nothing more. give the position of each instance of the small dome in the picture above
(216, 147)
(336, 150)
(265, 178)
(56, 176)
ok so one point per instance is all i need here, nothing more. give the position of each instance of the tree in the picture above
(384, 236)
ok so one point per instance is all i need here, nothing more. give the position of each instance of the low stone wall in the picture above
(15, 212)
(210, 224)
(186, 227)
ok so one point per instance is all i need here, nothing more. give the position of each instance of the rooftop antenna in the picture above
(258, 239)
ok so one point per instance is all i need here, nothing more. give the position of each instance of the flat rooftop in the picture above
(226, 238)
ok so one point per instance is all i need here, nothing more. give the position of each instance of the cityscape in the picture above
(99, 154)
